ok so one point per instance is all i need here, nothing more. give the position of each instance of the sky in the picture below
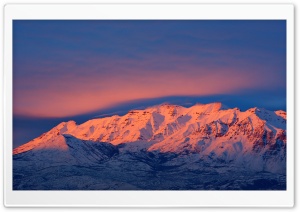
(77, 70)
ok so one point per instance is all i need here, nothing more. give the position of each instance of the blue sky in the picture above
(80, 69)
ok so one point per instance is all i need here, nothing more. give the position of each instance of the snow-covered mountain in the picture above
(208, 138)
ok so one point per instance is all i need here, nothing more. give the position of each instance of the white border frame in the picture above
(147, 198)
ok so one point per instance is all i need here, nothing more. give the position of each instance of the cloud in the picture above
(81, 90)
(66, 68)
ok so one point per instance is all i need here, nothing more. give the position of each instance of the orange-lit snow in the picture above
(206, 129)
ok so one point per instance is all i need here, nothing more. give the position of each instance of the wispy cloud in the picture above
(69, 68)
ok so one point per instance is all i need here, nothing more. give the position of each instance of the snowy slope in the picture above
(171, 126)
(253, 140)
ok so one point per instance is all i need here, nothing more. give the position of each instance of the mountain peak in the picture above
(162, 138)
(165, 105)
(65, 126)
(281, 113)
(210, 107)
(163, 124)
(215, 106)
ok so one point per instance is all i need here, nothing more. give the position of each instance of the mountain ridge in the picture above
(204, 137)
(161, 121)
(202, 128)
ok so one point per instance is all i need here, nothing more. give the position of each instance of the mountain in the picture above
(143, 149)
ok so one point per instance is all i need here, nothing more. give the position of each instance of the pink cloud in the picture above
(81, 92)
